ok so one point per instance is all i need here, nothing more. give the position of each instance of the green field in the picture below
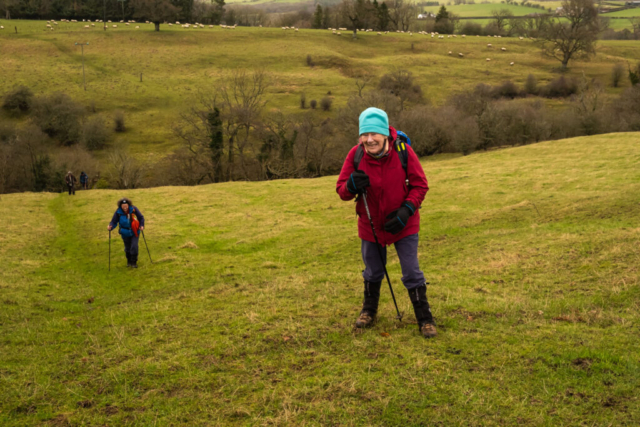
(177, 62)
(630, 13)
(246, 316)
(471, 10)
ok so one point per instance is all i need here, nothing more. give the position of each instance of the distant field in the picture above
(624, 13)
(469, 10)
(176, 62)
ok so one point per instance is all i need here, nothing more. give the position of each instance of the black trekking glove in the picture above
(358, 182)
(399, 218)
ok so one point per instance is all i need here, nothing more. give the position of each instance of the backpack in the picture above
(401, 145)
(132, 221)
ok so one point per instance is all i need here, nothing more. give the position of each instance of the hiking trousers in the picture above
(131, 247)
(407, 249)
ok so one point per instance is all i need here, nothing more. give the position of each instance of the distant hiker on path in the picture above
(390, 174)
(130, 223)
(71, 180)
(84, 181)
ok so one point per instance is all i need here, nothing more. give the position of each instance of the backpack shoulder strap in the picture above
(358, 157)
(402, 153)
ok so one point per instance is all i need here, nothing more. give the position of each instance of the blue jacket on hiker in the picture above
(123, 221)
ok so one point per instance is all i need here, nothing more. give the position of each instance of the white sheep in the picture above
(489, 45)
(379, 33)
(1, 27)
(115, 26)
(463, 36)
(488, 59)
(461, 55)
(137, 27)
(210, 26)
(504, 49)
(512, 64)
(521, 38)
(86, 26)
(450, 53)
(339, 33)
(93, 25)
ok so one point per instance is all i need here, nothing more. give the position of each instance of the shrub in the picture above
(472, 29)
(313, 104)
(531, 85)
(634, 75)
(507, 89)
(303, 101)
(616, 75)
(95, 134)
(560, 88)
(59, 117)
(102, 184)
(119, 121)
(18, 101)
(325, 103)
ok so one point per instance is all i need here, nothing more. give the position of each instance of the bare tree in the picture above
(500, 18)
(358, 12)
(401, 84)
(241, 101)
(125, 171)
(402, 14)
(362, 80)
(156, 11)
(575, 35)
(635, 24)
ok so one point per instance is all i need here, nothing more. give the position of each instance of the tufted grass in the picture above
(245, 318)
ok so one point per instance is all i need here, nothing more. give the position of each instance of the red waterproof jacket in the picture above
(387, 192)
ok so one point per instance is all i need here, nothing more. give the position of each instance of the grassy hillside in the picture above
(176, 62)
(246, 315)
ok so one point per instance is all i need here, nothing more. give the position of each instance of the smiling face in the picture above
(125, 207)
(374, 143)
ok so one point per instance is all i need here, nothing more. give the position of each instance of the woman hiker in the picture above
(394, 195)
(131, 223)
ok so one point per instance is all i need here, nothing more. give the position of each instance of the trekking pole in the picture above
(109, 250)
(366, 205)
(147, 246)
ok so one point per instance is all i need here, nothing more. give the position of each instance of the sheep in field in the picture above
(137, 27)
(450, 53)
(512, 64)
(488, 59)
(489, 45)
(461, 55)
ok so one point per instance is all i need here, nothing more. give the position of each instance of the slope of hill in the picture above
(246, 315)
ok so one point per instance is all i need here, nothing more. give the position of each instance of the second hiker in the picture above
(130, 224)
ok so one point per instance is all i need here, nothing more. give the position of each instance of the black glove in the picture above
(357, 182)
(398, 219)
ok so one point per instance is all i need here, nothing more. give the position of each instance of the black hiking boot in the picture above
(421, 308)
(370, 305)
(128, 259)
(134, 261)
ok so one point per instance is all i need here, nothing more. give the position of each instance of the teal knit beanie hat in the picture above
(374, 120)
